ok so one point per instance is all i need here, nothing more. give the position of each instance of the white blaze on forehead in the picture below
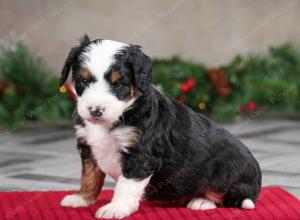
(99, 56)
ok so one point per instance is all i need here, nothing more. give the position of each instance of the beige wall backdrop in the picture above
(208, 31)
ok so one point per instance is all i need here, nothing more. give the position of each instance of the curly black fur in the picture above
(186, 152)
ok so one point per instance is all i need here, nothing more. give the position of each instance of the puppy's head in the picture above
(108, 77)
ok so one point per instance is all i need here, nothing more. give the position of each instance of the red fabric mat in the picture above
(273, 203)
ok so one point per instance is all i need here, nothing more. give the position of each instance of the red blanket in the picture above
(273, 203)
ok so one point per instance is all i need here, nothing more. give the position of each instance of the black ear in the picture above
(67, 67)
(142, 69)
(73, 54)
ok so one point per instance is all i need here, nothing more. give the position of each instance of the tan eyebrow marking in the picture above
(85, 73)
(115, 76)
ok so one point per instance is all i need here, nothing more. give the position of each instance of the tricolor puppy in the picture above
(154, 148)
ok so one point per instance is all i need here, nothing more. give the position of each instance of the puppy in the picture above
(154, 148)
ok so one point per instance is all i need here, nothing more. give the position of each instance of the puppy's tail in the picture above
(247, 204)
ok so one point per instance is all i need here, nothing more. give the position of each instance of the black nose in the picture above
(96, 111)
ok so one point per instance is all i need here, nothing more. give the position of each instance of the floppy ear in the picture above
(67, 67)
(73, 54)
(142, 70)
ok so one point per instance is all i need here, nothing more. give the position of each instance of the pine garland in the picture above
(27, 90)
(248, 86)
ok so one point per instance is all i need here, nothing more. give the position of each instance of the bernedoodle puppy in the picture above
(154, 148)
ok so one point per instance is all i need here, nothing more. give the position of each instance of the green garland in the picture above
(27, 90)
(256, 84)
(247, 86)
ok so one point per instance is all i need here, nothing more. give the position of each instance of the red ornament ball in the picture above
(191, 83)
(185, 88)
(251, 106)
(188, 85)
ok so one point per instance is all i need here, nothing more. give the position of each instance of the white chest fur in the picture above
(106, 145)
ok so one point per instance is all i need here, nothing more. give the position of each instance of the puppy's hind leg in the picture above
(92, 179)
(201, 204)
(209, 200)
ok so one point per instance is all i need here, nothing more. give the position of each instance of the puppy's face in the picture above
(103, 82)
(108, 77)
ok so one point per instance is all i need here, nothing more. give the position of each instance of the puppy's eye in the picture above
(117, 84)
(84, 83)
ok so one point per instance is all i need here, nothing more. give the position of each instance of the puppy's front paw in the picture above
(113, 210)
(74, 201)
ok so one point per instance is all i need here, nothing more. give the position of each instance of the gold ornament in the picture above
(63, 89)
(202, 106)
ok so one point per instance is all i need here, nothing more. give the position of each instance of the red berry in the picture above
(251, 106)
(191, 83)
(185, 88)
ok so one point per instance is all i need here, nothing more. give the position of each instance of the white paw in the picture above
(248, 204)
(201, 204)
(113, 210)
(74, 201)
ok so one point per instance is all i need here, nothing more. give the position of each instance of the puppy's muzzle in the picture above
(96, 111)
